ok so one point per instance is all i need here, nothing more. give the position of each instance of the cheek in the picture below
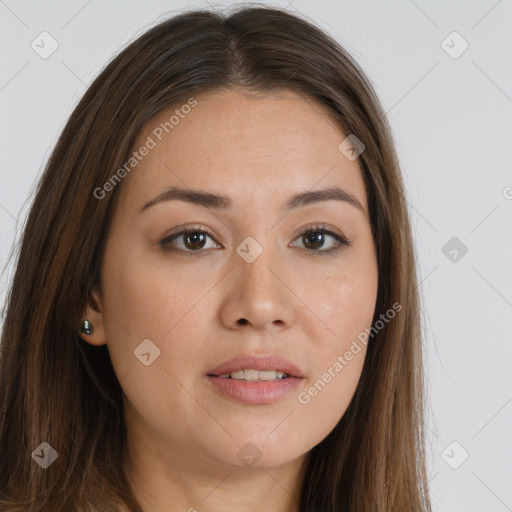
(345, 306)
(145, 299)
(328, 394)
(339, 354)
(145, 296)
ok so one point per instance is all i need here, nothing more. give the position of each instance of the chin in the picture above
(254, 449)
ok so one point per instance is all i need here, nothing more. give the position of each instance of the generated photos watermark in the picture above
(342, 361)
(150, 143)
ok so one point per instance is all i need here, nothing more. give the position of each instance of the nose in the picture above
(258, 294)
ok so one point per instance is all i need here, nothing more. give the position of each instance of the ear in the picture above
(94, 314)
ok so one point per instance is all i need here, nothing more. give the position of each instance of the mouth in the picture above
(255, 380)
(252, 375)
(256, 367)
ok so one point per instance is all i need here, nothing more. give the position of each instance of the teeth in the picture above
(252, 375)
(267, 375)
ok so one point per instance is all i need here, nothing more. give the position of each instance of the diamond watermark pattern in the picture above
(454, 249)
(147, 352)
(249, 455)
(249, 249)
(44, 45)
(44, 455)
(351, 147)
(454, 45)
(454, 455)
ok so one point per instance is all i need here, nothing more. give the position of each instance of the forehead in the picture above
(245, 146)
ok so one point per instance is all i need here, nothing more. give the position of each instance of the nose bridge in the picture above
(260, 297)
(257, 258)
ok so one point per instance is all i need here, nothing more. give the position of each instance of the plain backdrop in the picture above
(443, 72)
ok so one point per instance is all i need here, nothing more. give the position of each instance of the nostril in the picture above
(242, 321)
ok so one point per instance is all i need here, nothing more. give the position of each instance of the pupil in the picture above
(317, 240)
(194, 236)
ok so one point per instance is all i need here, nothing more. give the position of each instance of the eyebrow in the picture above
(210, 200)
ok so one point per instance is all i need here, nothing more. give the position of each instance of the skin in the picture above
(183, 436)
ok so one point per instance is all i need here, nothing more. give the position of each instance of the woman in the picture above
(215, 301)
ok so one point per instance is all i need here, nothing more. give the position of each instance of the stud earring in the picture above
(87, 327)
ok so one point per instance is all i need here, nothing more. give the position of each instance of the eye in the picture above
(315, 236)
(192, 240)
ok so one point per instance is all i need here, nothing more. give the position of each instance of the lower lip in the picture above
(256, 392)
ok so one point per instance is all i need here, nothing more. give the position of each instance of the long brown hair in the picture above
(55, 388)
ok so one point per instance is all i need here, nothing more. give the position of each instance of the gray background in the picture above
(450, 115)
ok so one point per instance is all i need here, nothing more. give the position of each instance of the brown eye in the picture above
(194, 240)
(188, 240)
(315, 238)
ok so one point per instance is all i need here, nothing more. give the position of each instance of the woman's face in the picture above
(246, 283)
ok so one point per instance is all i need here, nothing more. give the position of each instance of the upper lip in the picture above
(257, 362)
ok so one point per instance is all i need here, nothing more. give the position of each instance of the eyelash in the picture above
(341, 241)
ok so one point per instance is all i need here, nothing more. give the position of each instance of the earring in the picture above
(87, 327)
